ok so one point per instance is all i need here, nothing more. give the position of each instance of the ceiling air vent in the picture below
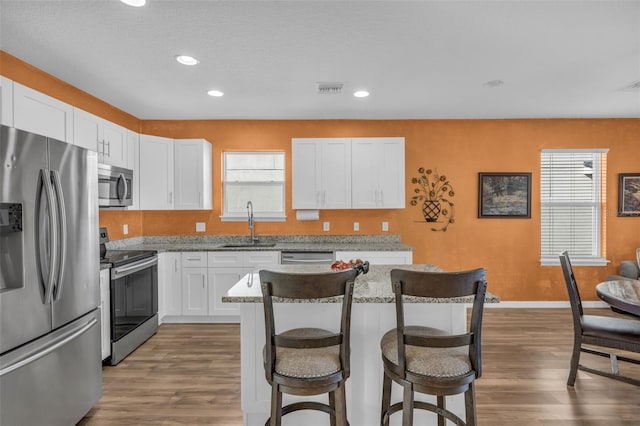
(330, 88)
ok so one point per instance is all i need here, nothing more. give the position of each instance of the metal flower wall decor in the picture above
(434, 194)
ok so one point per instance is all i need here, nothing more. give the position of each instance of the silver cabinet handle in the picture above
(108, 149)
(381, 198)
(170, 197)
(175, 265)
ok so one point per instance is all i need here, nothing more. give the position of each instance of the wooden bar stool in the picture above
(429, 360)
(307, 361)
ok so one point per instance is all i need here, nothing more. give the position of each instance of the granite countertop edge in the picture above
(281, 243)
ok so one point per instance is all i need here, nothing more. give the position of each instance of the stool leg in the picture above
(341, 406)
(443, 405)
(407, 405)
(276, 406)
(332, 404)
(386, 398)
(470, 404)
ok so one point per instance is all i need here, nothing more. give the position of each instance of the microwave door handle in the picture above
(62, 227)
(45, 183)
(126, 188)
(122, 179)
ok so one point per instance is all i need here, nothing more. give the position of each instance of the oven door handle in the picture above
(123, 271)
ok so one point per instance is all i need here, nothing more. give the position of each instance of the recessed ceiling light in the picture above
(361, 94)
(493, 83)
(187, 60)
(215, 93)
(134, 3)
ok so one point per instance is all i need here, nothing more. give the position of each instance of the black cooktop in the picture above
(122, 257)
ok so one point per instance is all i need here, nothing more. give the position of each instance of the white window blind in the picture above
(257, 177)
(571, 205)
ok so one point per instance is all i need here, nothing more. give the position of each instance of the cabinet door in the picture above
(6, 101)
(156, 173)
(336, 174)
(86, 130)
(305, 171)
(169, 284)
(378, 257)
(365, 169)
(192, 174)
(377, 169)
(133, 163)
(391, 175)
(194, 291)
(114, 140)
(105, 314)
(220, 281)
(38, 113)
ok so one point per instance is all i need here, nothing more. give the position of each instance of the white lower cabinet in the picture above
(169, 285)
(377, 257)
(220, 281)
(105, 313)
(194, 291)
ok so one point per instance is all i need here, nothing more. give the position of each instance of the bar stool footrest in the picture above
(423, 406)
(307, 405)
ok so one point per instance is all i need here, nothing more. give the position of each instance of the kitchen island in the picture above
(373, 313)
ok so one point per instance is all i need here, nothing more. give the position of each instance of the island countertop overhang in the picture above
(373, 287)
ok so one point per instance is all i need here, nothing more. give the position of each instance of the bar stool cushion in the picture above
(434, 362)
(307, 363)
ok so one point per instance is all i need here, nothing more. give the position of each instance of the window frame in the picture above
(257, 215)
(598, 218)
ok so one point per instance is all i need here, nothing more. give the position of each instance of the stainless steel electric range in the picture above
(133, 296)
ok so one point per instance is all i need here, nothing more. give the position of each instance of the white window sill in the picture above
(575, 261)
(256, 218)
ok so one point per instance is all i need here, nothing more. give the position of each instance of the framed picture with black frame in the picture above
(504, 195)
(629, 194)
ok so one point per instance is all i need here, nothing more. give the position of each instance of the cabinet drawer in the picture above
(261, 258)
(194, 259)
(220, 259)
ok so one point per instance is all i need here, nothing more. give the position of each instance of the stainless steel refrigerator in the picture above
(50, 363)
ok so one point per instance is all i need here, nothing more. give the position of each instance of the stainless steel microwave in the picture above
(115, 186)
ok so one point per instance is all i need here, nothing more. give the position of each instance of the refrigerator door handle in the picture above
(45, 182)
(48, 348)
(62, 228)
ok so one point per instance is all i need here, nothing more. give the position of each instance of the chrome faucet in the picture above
(254, 239)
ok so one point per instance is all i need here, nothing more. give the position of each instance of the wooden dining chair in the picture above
(429, 360)
(307, 361)
(598, 330)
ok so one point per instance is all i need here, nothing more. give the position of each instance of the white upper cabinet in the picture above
(97, 134)
(321, 170)
(38, 113)
(156, 173)
(377, 170)
(86, 129)
(112, 148)
(6, 101)
(193, 178)
(133, 163)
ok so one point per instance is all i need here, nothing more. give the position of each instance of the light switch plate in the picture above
(200, 227)
(356, 226)
(125, 229)
(385, 226)
(325, 226)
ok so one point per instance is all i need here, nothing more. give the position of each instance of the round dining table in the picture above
(621, 294)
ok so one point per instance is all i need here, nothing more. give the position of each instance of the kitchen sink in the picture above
(248, 245)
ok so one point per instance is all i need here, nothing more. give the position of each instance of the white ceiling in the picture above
(419, 59)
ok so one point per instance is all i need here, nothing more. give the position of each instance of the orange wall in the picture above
(508, 248)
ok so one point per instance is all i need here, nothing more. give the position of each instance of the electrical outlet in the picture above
(125, 229)
(385, 226)
(200, 227)
(356, 226)
(325, 226)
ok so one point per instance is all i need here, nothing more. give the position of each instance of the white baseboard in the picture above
(537, 304)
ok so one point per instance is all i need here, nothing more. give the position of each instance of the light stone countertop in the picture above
(372, 287)
(280, 243)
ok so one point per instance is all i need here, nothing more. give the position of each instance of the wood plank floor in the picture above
(189, 374)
